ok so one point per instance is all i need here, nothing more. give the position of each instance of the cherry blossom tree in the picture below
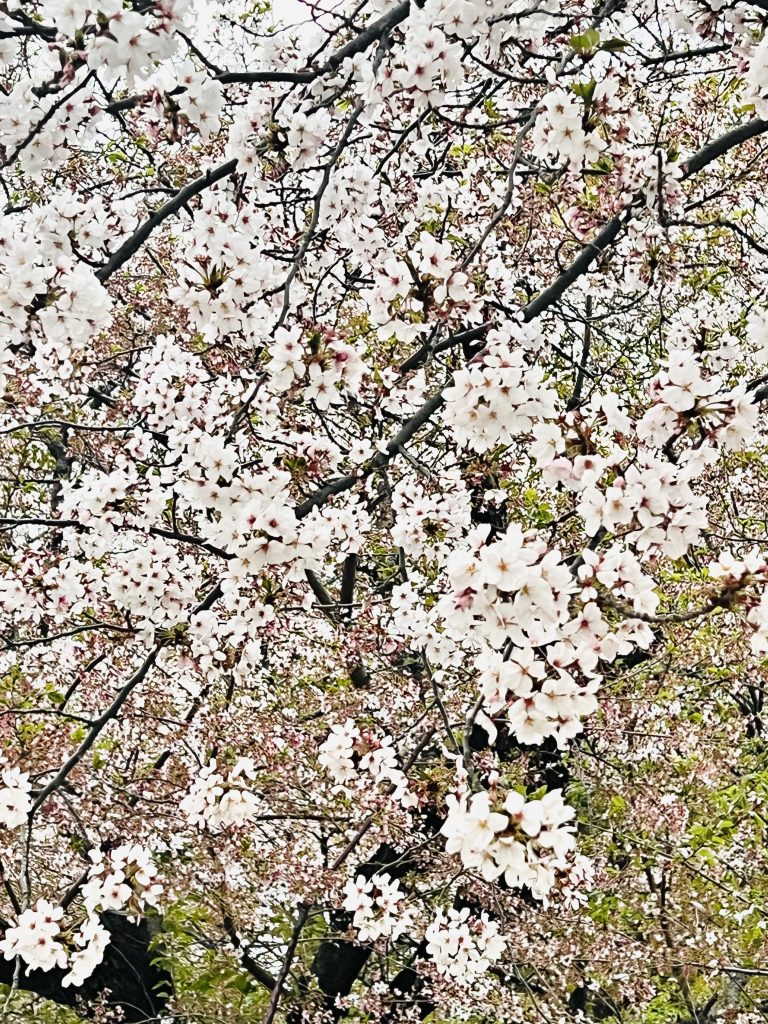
(383, 531)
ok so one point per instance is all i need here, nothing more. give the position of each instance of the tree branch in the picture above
(132, 245)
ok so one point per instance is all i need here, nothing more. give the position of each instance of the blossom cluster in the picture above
(527, 842)
(429, 524)
(218, 800)
(349, 754)
(682, 392)
(36, 938)
(536, 660)
(497, 400)
(463, 946)
(559, 130)
(15, 800)
(122, 880)
(377, 904)
(577, 882)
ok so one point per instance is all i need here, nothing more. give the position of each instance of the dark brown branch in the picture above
(132, 245)
(62, 100)
(575, 399)
(359, 44)
(152, 531)
(730, 140)
(97, 727)
(254, 77)
(244, 957)
(721, 222)
(702, 51)
(608, 235)
(461, 338)
(347, 590)
(344, 483)
(325, 601)
(544, 301)
(32, 27)
(274, 999)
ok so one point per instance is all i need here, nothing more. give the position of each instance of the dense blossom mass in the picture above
(383, 532)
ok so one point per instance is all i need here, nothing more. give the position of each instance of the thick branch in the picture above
(714, 150)
(132, 245)
(359, 44)
(534, 309)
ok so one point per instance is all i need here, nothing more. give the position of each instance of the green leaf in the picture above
(614, 45)
(585, 90)
(587, 42)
